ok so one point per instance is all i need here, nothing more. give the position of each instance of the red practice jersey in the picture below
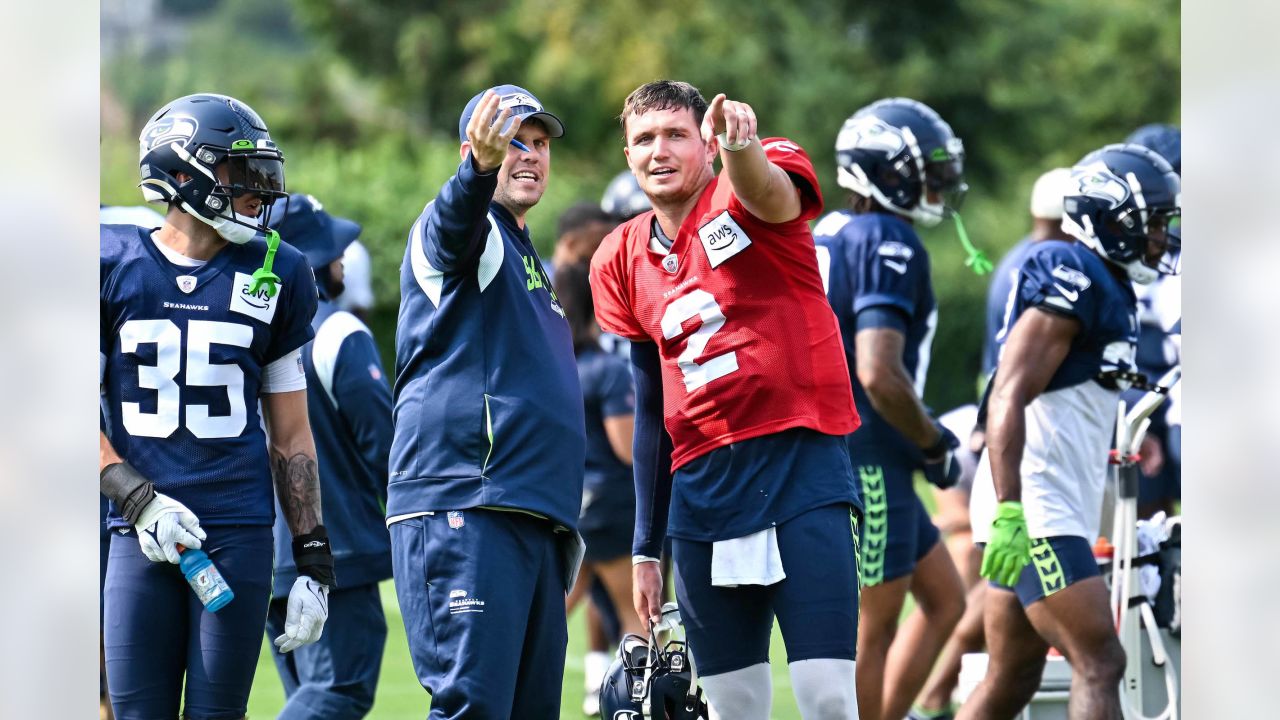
(749, 344)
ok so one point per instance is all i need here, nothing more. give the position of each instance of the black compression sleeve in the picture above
(651, 453)
(127, 488)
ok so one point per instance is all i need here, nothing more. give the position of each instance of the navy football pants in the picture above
(157, 632)
(729, 628)
(335, 677)
(483, 606)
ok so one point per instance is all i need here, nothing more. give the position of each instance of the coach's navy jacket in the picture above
(349, 405)
(488, 407)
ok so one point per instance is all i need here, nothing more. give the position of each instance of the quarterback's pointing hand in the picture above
(730, 121)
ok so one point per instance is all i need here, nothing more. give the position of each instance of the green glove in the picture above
(1009, 548)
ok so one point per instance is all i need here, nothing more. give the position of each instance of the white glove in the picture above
(304, 620)
(163, 523)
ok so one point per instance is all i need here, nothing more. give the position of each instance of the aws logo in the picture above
(257, 305)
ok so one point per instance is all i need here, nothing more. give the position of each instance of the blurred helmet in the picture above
(1047, 194)
(1164, 140)
(1125, 202)
(198, 134)
(624, 199)
(652, 679)
(894, 151)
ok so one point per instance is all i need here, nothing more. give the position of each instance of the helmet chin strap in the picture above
(240, 234)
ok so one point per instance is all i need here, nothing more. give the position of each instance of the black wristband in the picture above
(939, 448)
(127, 488)
(314, 557)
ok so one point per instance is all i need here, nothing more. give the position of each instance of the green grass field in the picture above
(400, 697)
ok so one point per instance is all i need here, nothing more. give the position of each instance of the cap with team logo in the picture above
(523, 105)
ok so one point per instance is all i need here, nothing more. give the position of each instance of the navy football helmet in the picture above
(200, 135)
(1165, 140)
(651, 679)
(898, 152)
(1125, 202)
(624, 199)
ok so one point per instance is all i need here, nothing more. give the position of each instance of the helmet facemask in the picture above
(1111, 215)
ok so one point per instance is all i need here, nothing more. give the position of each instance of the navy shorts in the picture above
(157, 632)
(482, 596)
(1056, 563)
(816, 604)
(897, 531)
(334, 678)
(608, 516)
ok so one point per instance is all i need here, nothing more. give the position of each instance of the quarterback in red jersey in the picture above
(736, 348)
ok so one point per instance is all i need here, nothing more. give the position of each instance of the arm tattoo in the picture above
(298, 489)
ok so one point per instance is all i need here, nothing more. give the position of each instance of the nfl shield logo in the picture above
(186, 283)
(669, 263)
(455, 519)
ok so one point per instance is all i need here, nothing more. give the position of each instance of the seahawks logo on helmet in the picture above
(168, 129)
(1095, 180)
(871, 133)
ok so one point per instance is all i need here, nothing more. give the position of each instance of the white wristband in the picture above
(724, 142)
(637, 559)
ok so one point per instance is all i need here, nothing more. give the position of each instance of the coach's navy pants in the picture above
(482, 594)
(157, 632)
(334, 678)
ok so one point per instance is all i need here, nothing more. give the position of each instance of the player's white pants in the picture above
(824, 690)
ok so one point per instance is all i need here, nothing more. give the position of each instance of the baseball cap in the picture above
(523, 105)
(1048, 192)
(317, 234)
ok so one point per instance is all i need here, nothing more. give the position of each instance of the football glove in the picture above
(941, 467)
(164, 523)
(307, 610)
(1009, 547)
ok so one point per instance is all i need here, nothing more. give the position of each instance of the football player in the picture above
(1037, 499)
(357, 281)
(1046, 224)
(488, 450)
(903, 165)
(200, 321)
(735, 347)
(349, 404)
(623, 199)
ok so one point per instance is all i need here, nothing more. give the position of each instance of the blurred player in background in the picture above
(623, 198)
(734, 345)
(357, 282)
(201, 321)
(349, 404)
(1037, 500)
(1046, 224)
(489, 445)
(1159, 349)
(579, 231)
(608, 493)
(902, 164)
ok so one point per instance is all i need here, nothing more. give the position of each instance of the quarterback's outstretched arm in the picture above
(651, 464)
(765, 189)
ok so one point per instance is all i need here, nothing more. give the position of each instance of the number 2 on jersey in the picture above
(167, 338)
(698, 304)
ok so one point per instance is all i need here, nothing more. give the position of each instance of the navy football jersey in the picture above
(876, 260)
(1000, 301)
(184, 351)
(607, 391)
(1070, 279)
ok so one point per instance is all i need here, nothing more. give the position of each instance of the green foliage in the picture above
(364, 96)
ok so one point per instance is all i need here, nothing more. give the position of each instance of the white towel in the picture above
(749, 560)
